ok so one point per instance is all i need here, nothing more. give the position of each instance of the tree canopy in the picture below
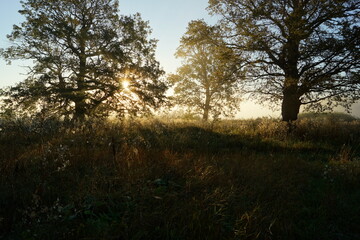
(299, 51)
(207, 80)
(83, 51)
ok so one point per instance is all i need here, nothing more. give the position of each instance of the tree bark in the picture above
(290, 104)
(206, 114)
(206, 105)
(80, 103)
(291, 98)
(80, 110)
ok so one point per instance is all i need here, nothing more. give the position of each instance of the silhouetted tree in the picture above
(207, 80)
(82, 52)
(299, 51)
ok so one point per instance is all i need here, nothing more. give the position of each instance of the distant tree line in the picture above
(297, 52)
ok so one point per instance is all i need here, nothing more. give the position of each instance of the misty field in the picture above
(152, 179)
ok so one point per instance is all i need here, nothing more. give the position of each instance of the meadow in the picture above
(180, 179)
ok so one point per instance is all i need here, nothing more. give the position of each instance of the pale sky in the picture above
(168, 20)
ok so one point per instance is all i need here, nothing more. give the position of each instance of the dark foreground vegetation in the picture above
(241, 179)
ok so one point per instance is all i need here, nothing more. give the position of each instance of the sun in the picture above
(125, 84)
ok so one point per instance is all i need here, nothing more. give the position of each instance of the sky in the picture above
(168, 20)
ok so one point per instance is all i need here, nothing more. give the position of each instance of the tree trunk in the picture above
(206, 105)
(290, 104)
(206, 114)
(80, 103)
(80, 110)
(291, 98)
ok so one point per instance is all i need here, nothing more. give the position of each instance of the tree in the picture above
(206, 81)
(299, 51)
(87, 59)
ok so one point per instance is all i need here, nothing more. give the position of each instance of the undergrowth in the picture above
(152, 179)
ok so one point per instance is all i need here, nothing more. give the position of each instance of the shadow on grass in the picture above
(173, 181)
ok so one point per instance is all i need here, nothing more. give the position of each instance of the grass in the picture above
(152, 179)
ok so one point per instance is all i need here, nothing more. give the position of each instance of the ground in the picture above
(175, 179)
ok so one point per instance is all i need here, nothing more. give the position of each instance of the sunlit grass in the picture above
(152, 179)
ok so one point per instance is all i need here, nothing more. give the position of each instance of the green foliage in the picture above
(297, 52)
(150, 179)
(207, 81)
(82, 52)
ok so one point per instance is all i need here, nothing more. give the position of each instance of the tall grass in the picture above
(152, 179)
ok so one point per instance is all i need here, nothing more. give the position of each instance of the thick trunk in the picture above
(80, 110)
(291, 98)
(290, 104)
(81, 107)
(80, 103)
(206, 114)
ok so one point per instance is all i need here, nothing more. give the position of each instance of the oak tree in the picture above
(207, 80)
(87, 59)
(299, 51)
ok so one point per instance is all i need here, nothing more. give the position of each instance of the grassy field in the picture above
(152, 179)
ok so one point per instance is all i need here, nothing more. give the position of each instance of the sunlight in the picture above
(126, 84)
